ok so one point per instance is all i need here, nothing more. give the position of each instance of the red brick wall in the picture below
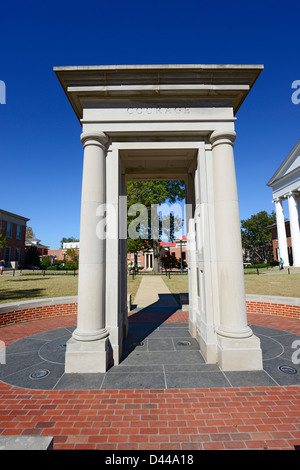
(292, 311)
(36, 313)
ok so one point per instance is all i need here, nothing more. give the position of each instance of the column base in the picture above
(237, 354)
(87, 356)
(207, 348)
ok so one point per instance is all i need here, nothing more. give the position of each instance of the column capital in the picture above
(94, 137)
(222, 136)
(291, 194)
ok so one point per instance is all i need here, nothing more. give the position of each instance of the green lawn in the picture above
(177, 284)
(28, 287)
(286, 285)
(133, 285)
(37, 286)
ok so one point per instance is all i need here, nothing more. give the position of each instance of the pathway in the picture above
(154, 293)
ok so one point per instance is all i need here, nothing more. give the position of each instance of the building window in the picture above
(18, 232)
(132, 255)
(7, 255)
(139, 254)
(8, 230)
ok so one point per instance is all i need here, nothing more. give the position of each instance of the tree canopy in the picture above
(257, 236)
(147, 194)
(29, 233)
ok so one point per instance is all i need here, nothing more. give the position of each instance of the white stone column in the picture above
(87, 351)
(237, 347)
(281, 233)
(294, 228)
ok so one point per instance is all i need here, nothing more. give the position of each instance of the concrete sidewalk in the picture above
(154, 292)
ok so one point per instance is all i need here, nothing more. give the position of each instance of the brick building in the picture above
(170, 255)
(42, 249)
(61, 254)
(13, 227)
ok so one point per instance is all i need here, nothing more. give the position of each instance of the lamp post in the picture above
(181, 265)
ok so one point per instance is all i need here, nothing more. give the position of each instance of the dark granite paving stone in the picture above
(153, 354)
(137, 333)
(163, 357)
(283, 379)
(132, 348)
(80, 382)
(196, 380)
(170, 333)
(120, 369)
(163, 344)
(270, 347)
(17, 362)
(23, 377)
(249, 378)
(54, 351)
(24, 346)
(186, 344)
(291, 344)
(136, 380)
(199, 367)
(266, 331)
(53, 334)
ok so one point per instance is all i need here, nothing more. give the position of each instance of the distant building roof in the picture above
(11, 214)
(34, 242)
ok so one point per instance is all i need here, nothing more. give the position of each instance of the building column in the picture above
(237, 347)
(87, 350)
(281, 233)
(294, 227)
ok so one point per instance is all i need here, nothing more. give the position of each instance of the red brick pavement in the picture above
(177, 419)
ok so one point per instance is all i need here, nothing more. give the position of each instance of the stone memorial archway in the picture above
(167, 122)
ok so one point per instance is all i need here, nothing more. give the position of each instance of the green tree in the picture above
(149, 193)
(45, 262)
(2, 238)
(72, 256)
(257, 236)
(2, 241)
(29, 233)
(32, 257)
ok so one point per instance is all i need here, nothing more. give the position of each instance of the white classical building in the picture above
(163, 122)
(285, 184)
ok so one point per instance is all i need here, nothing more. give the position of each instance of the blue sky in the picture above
(40, 150)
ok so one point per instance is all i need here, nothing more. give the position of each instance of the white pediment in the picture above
(289, 169)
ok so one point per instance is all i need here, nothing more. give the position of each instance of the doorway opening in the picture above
(156, 245)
